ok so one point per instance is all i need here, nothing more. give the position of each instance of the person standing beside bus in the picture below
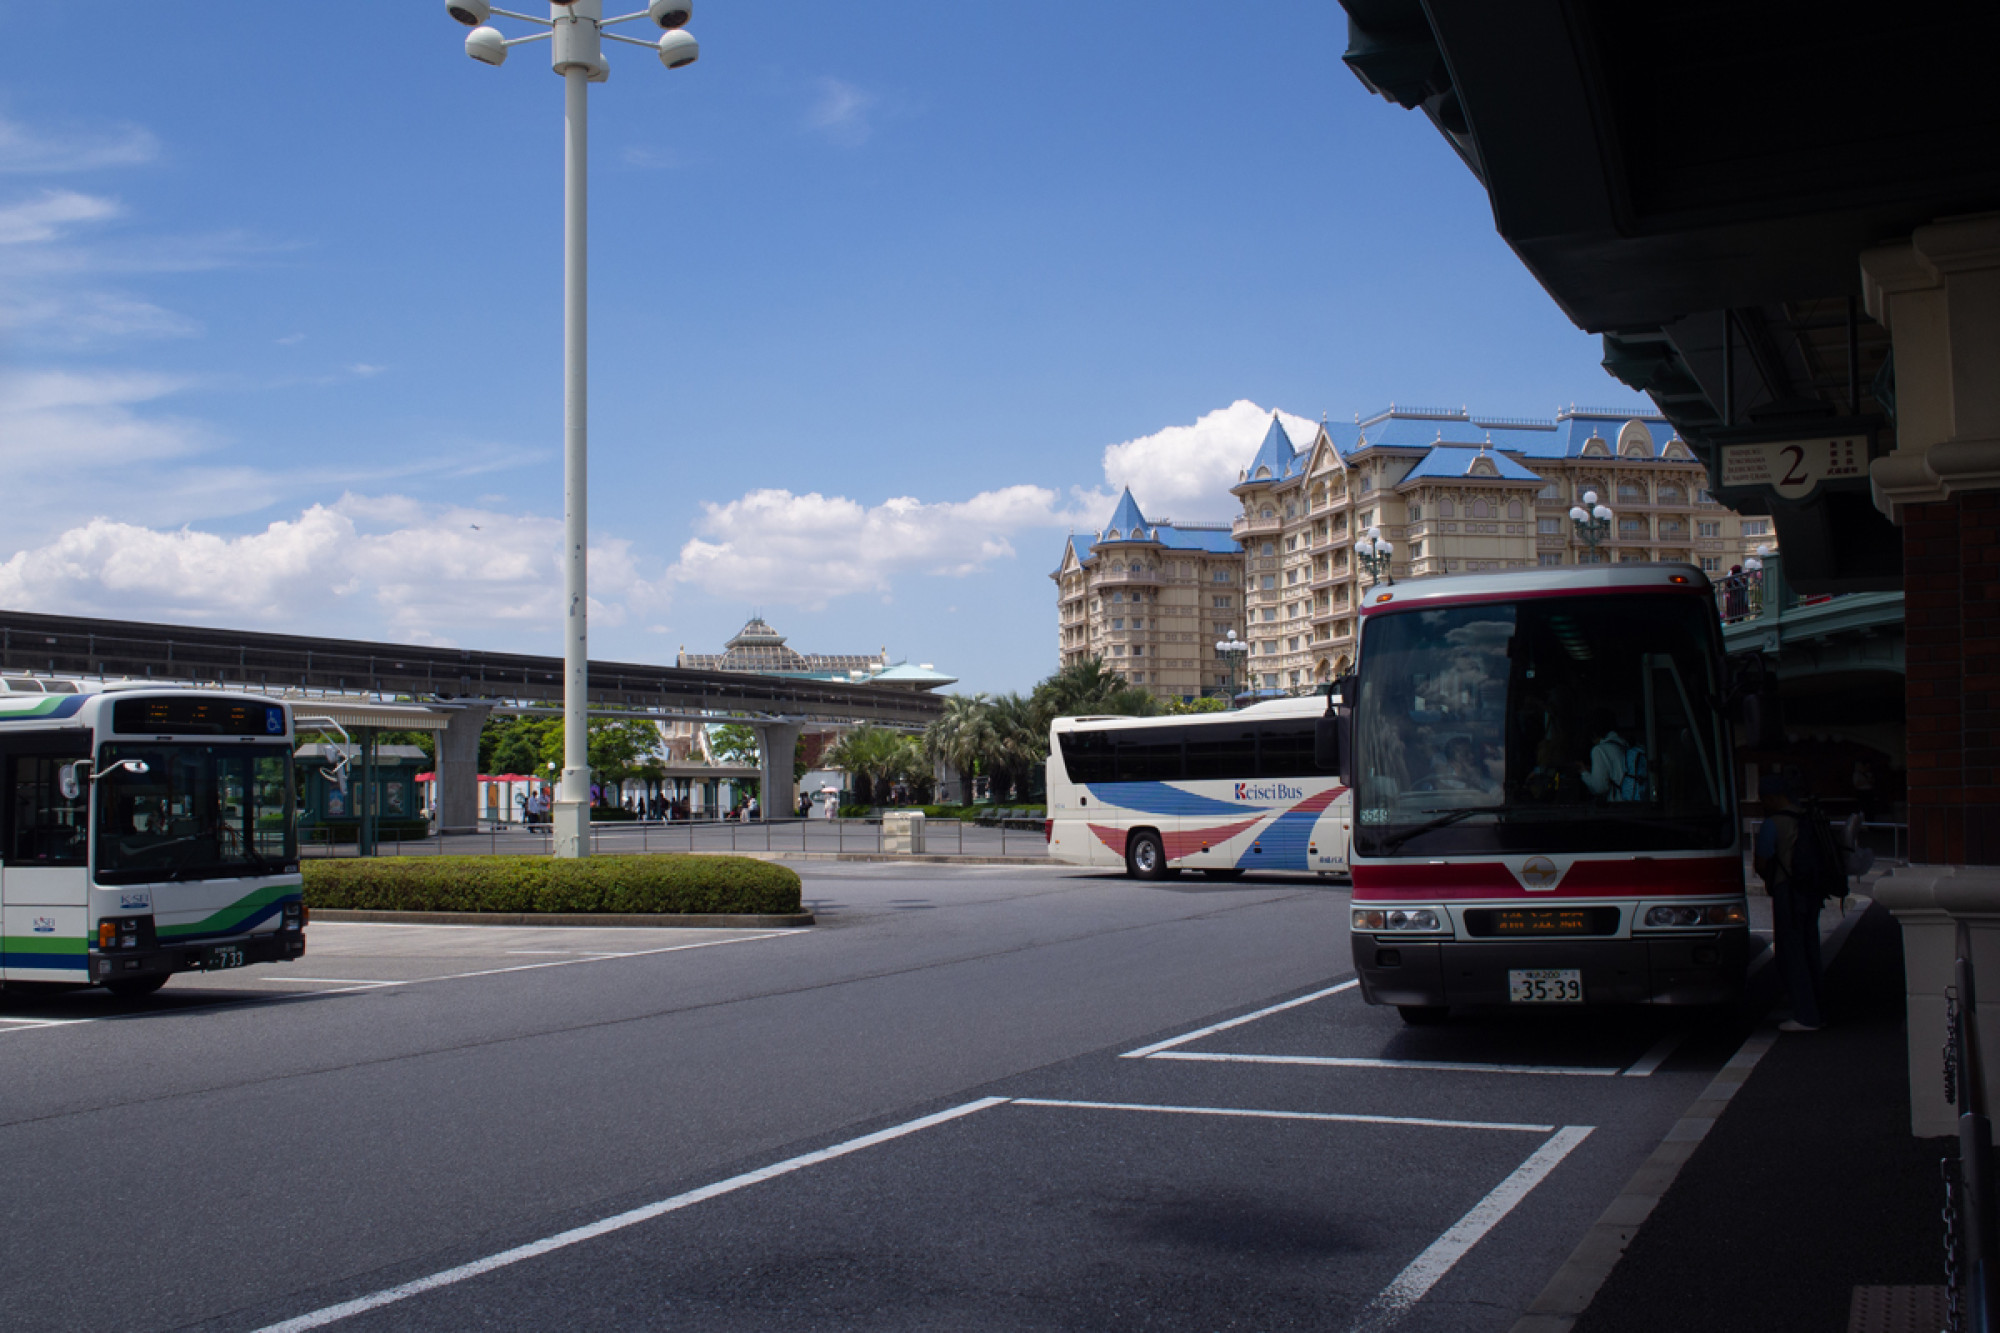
(1782, 858)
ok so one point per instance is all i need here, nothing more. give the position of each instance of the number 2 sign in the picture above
(1793, 468)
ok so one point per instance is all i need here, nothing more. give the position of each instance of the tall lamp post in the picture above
(1232, 650)
(1592, 522)
(1374, 554)
(575, 33)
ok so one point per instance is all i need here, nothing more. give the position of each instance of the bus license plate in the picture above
(221, 956)
(1545, 985)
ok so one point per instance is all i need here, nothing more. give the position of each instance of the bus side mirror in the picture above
(69, 781)
(1762, 717)
(1330, 742)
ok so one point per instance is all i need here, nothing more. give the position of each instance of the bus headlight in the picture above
(1687, 918)
(1420, 919)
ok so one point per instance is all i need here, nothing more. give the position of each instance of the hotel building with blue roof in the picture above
(1451, 492)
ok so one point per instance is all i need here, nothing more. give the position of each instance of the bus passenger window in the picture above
(46, 827)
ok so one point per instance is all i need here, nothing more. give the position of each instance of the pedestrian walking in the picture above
(1801, 869)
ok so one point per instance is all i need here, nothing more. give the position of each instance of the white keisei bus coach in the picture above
(1217, 792)
(144, 832)
(1545, 808)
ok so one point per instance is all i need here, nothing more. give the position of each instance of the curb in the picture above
(1570, 1292)
(659, 920)
(905, 858)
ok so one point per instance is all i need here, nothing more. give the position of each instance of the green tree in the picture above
(961, 737)
(1207, 704)
(873, 757)
(1087, 687)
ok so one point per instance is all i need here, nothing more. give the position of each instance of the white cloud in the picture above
(364, 370)
(45, 151)
(774, 546)
(1185, 472)
(364, 565)
(291, 340)
(45, 216)
(842, 112)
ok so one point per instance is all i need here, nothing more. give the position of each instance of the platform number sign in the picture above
(1793, 468)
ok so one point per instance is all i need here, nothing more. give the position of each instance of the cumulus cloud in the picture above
(776, 547)
(1185, 472)
(364, 565)
(841, 112)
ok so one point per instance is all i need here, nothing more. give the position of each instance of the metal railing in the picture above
(1972, 1239)
(778, 836)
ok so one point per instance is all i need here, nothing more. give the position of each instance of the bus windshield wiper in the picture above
(1394, 841)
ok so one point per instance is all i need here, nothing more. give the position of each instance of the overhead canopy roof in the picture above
(1696, 179)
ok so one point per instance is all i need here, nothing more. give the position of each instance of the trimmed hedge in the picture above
(658, 883)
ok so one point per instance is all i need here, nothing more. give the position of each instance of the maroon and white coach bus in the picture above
(1544, 811)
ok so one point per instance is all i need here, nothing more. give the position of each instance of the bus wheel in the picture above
(1424, 1015)
(1145, 858)
(136, 988)
(1225, 872)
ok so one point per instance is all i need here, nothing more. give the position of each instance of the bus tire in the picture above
(1224, 872)
(1424, 1015)
(1145, 856)
(136, 988)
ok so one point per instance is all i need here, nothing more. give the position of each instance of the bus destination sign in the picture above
(183, 715)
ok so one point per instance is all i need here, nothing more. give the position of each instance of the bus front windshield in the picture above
(195, 812)
(1561, 724)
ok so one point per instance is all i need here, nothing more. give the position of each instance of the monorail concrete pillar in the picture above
(1938, 294)
(776, 743)
(457, 770)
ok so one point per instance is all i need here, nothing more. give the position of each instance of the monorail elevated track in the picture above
(73, 646)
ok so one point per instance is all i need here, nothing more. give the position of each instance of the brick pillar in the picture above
(1952, 620)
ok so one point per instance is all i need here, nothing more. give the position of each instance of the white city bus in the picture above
(1545, 811)
(1217, 792)
(144, 832)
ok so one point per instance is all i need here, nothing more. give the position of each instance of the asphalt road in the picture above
(973, 1098)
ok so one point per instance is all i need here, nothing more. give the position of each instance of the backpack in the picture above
(1633, 786)
(1819, 865)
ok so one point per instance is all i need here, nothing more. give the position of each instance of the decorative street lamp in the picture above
(1592, 522)
(576, 36)
(1374, 553)
(1232, 650)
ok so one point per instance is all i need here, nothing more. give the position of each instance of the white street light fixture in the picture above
(575, 31)
(1232, 650)
(1592, 522)
(1374, 554)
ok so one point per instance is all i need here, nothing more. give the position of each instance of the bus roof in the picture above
(1304, 705)
(1501, 585)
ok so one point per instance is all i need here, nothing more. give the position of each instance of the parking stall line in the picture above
(1375, 1062)
(1338, 1117)
(1644, 1066)
(1424, 1272)
(1147, 1052)
(576, 1235)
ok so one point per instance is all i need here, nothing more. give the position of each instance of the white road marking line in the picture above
(37, 1024)
(1413, 1282)
(352, 986)
(1373, 1062)
(1644, 1066)
(1145, 1052)
(572, 953)
(535, 1249)
(1340, 1117)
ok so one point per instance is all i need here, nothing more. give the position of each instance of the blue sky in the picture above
(884, 299)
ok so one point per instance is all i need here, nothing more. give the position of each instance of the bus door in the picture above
(44, 874)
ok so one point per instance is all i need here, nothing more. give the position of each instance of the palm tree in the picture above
(1087, 687)
(960, 736)
(1019, 745)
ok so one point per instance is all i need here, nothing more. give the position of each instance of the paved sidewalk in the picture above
(1808, 1186)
